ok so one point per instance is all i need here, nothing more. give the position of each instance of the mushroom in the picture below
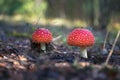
(82, 38)
(42, 36)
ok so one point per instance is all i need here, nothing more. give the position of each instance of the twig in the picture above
(111, 51)
(104, 44)
(55, 39)
(37, 22)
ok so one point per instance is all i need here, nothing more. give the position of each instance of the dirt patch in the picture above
(18, 61)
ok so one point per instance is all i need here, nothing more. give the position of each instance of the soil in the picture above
(20, 59)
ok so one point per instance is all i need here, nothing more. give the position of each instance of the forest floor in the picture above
(19, 61)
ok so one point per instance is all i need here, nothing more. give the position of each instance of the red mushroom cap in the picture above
(42, 35)
(81, 37)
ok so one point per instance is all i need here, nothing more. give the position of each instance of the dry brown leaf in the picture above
(2, 64)
(63, 64)
(22, 58)
(84, 64)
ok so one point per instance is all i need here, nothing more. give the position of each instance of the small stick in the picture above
(104, 44)
(37, 22)
(111, 51)
(55, 39)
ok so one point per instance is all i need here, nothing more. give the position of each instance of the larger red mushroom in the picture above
(42, 36)
(82, 38)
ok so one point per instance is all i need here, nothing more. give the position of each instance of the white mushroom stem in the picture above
(83, 52)
(43, 46)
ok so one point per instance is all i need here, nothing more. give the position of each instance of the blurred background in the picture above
(22, 17)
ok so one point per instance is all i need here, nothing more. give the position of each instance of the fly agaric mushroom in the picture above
(42, 36)
(82, 38)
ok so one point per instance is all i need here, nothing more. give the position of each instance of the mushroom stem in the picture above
(43, 46)
(83, 52)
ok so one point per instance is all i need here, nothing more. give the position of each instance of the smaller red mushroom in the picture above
(82, 38)
(42, 36)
